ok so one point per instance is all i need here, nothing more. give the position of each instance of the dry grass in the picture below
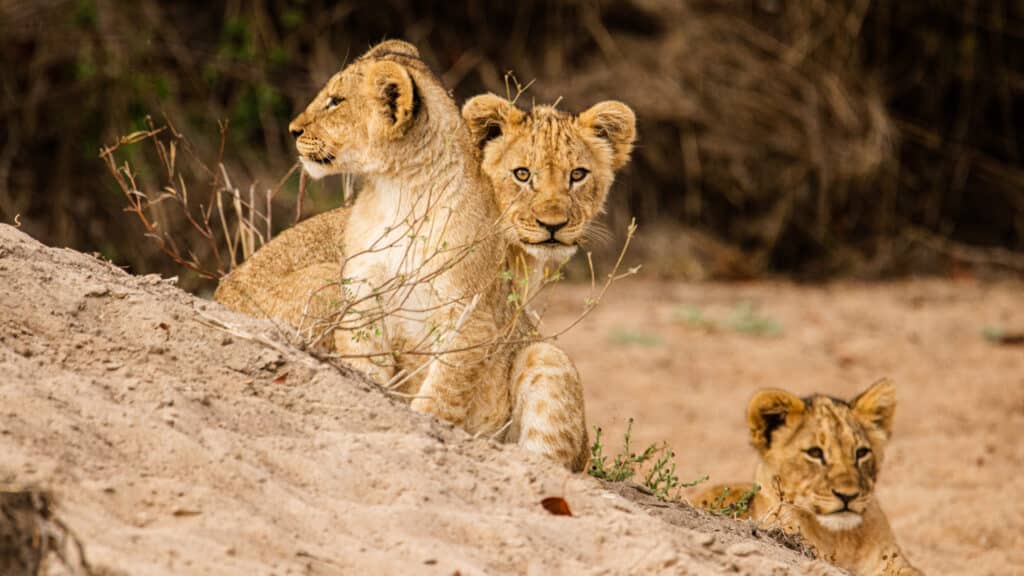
(802, 137)
(225, 226)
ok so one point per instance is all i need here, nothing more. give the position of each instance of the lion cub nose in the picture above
(846, 498)
(296, 131)
(552, 227)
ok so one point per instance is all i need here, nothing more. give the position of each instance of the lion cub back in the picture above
(275, 282)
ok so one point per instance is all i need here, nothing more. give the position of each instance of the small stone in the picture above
(96, 291)
(743, 549)
(705, 539)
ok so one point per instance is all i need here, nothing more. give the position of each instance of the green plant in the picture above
(746, 319)
(635, 337)
(999, 335)
(737, 508)
(693, 317)
(625, 463)
(993, 334)
(661, 478)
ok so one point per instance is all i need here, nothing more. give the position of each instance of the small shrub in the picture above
(736, 508)
(625, 463)
(661, 478)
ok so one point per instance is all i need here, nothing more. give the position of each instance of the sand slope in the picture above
(174, 447)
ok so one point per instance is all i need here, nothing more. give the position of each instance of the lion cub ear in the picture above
(769, 410)
(392, 47)
(876, 405)
(488, 116)
(391, 87)
(614, 122)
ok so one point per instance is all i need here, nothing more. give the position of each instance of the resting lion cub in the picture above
(820, 458)
(530, 395)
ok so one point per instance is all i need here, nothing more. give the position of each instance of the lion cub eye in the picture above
(521, 174)
(333, 101)
(815, 453)
(578, 174)
(863, 452)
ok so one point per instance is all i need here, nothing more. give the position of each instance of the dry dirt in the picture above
(683, 359)
(174, 446)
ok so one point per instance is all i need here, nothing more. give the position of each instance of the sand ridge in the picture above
(175, 447)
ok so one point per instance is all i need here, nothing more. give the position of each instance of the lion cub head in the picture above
(822, 454)
(355, 122)
(550, 170)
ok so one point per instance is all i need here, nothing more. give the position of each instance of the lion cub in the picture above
(387, 117)
(820, 458)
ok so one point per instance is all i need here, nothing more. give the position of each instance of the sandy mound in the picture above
(174, 447)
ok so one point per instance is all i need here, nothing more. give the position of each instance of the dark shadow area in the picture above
(805, 138)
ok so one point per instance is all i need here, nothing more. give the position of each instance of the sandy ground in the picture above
(683, 359)
(174, 446)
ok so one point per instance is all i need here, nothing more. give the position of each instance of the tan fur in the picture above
(549, 145)
(264, 285)
(533, 392)
(804, 493)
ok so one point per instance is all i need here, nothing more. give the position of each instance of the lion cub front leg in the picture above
(368, 355)
(455, 375)
(362, 334)
(547, 410)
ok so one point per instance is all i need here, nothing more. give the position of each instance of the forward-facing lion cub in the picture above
(550, 170)
(820, 458)
(424, 167)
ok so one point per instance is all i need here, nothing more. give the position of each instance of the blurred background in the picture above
(810, 138)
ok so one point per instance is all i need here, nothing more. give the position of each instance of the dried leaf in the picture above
(185, 512)
(556, 505)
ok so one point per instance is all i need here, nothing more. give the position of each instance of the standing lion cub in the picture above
(820, 458)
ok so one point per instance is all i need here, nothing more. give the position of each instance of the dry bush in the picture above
(362, 309)
(208, 235)
(93, 70)
(768, 136)
(811, 137)
(203, 222)
(33, 538)
(808, 136)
